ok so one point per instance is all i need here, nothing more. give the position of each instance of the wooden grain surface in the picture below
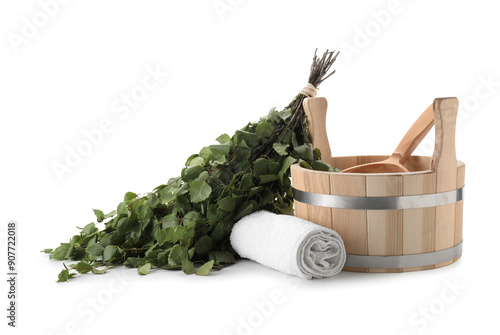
(315, 109)
(385, 227)
(388, 232)
(419, 224)
(445, 165)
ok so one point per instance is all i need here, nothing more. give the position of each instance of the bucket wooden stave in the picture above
(430, 235)
(383, 232)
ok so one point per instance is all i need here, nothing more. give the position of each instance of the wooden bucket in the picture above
(391, 222)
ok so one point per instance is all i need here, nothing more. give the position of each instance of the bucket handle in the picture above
(315, 109)
(444, 159)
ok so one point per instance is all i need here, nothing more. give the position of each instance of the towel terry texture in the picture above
(289, 244)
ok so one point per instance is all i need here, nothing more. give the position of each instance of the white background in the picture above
(225, 69)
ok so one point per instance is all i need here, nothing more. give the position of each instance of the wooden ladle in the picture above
(408, 144)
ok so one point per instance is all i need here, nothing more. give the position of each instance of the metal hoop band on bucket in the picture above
(404, 261)
(389, 203)
(379, 203)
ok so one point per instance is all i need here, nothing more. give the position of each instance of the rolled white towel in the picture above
(289, 244)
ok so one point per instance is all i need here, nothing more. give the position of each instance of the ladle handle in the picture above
(315, 109)
(415, 135)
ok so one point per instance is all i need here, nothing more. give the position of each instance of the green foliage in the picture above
(65, 275)
(62, 252)
(199, 190)
(82, 267)
(205, 268)
(188, 220)
(185, 224)
(144, 270)
(99, 271)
